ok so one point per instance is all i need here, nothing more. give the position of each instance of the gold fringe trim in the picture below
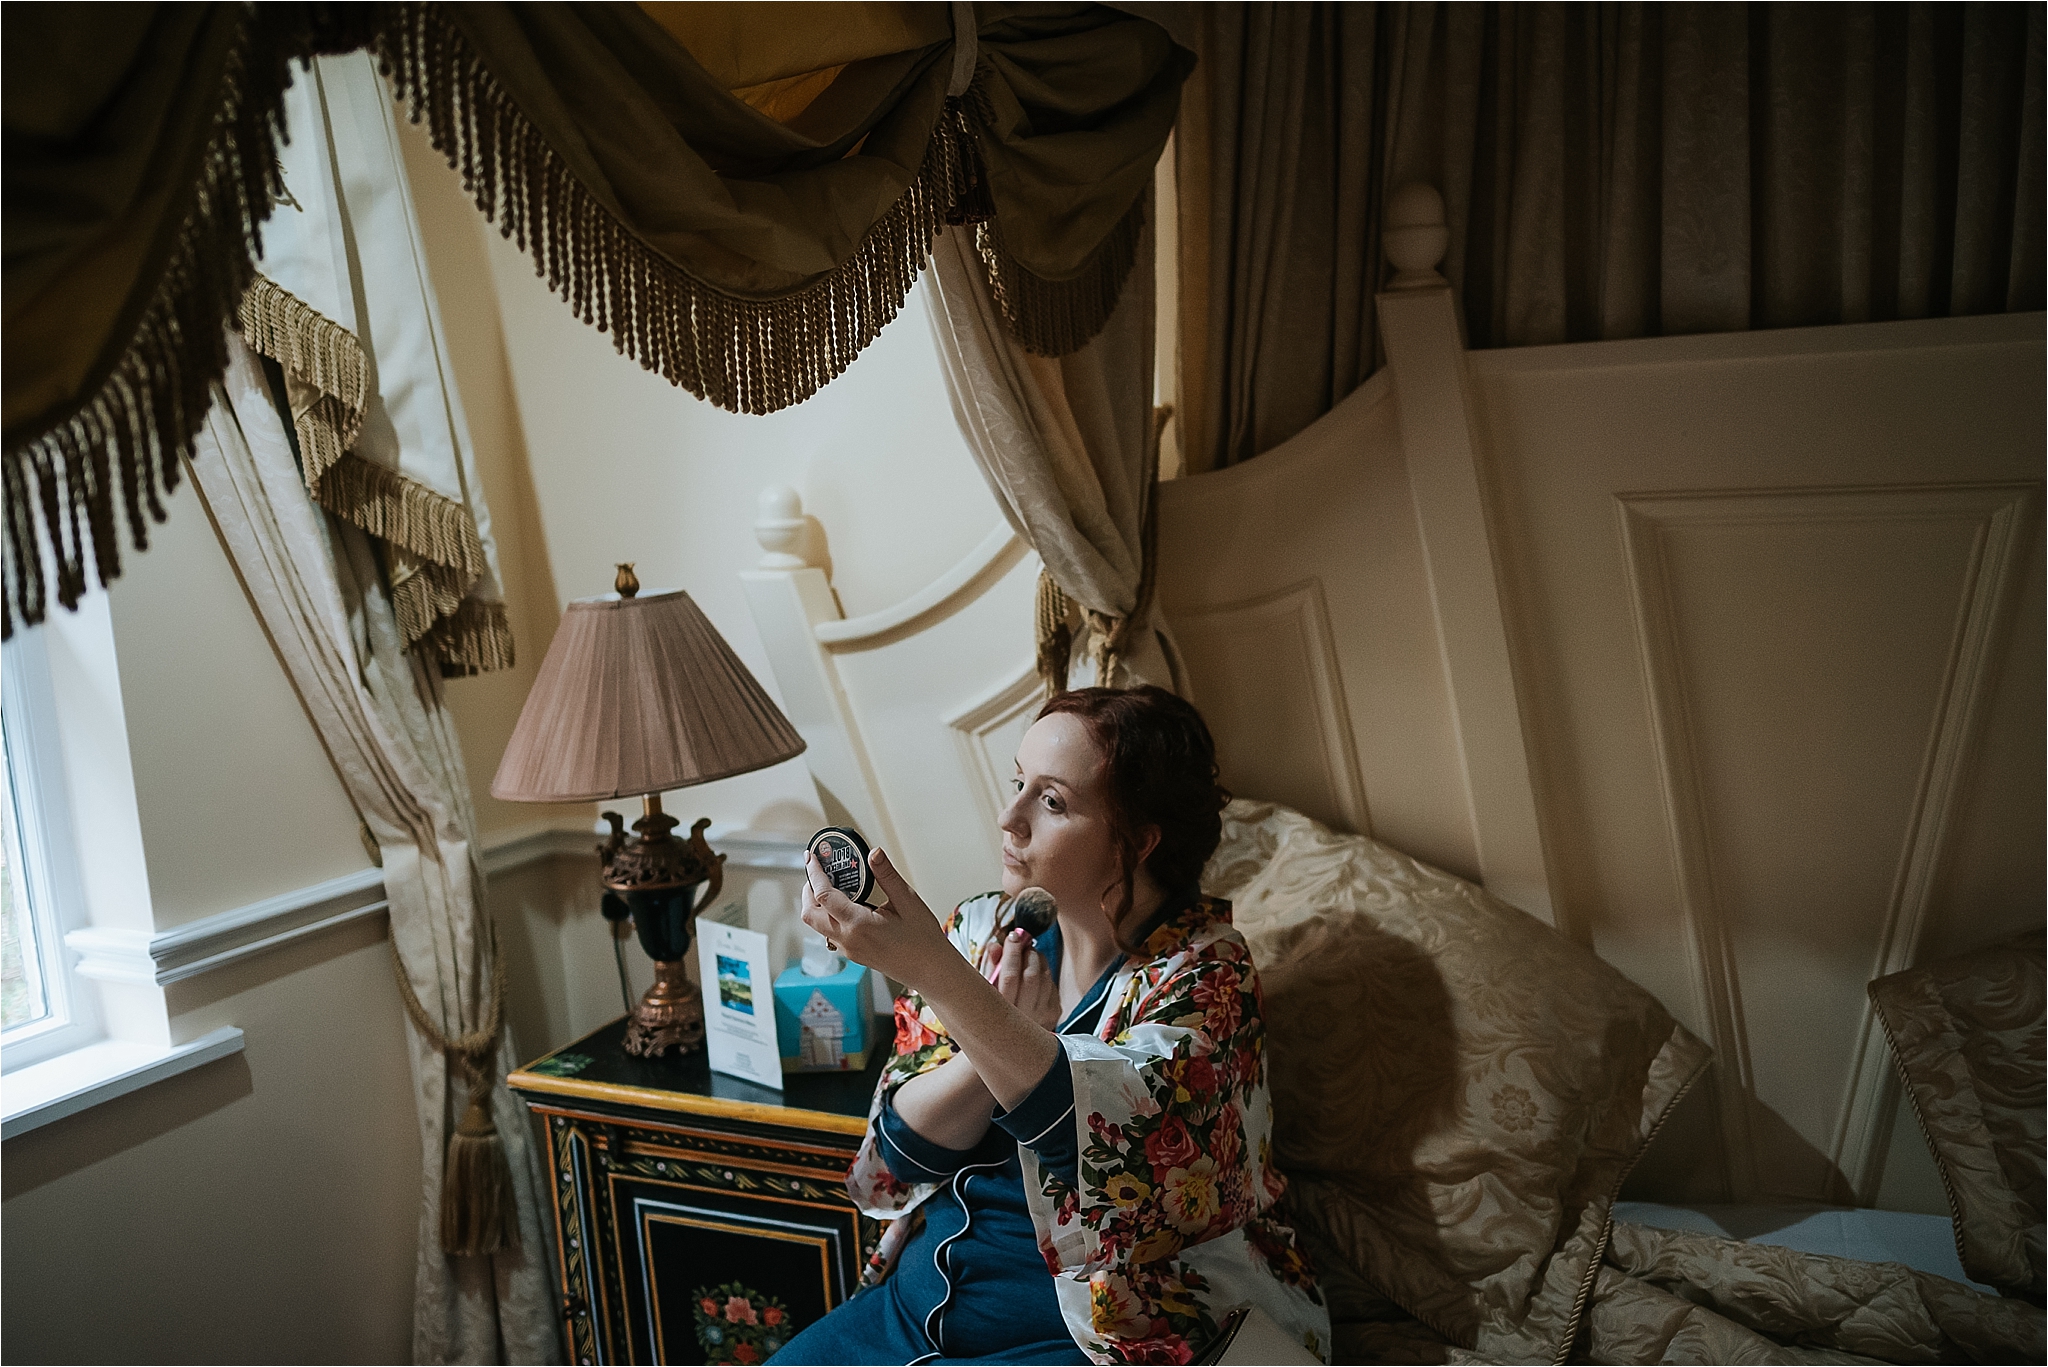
(435, 555)
(124, 438)
(1059, 317)
(747, 355)
(323, 357)
(474, 639)
(405, 513)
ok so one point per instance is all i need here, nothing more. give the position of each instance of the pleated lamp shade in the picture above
(639, 695)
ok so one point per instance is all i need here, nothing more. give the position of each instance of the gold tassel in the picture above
(477, 1214)
(1054, 612)
(476, 1183)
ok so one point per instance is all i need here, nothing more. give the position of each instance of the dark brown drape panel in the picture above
(1607, 171)
(744, 224)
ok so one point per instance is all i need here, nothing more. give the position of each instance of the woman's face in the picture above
(1056, 831)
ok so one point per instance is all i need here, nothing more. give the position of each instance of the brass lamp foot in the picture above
(669, 1016)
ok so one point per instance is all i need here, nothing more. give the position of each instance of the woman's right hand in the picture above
(1024, 978)
(901, 938)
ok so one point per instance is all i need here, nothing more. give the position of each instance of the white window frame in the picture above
(49, 856)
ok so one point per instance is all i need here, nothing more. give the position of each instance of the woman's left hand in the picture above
(901, 939)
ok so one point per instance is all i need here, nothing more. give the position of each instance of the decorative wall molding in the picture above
(973, 574)
(169, 956)
(1288, 627)
(2006, 513)
(976, 723)
(1442, 445)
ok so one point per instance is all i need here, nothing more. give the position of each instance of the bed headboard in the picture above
(1723, 654)
(1296, 589)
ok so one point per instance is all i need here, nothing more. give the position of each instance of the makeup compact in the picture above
(843, 855)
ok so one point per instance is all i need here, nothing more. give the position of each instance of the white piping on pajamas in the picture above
(932, 1330)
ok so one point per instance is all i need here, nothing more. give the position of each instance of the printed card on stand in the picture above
(739, 1003)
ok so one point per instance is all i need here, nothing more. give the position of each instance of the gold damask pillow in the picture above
(1458, 1090)
(1966, 1034)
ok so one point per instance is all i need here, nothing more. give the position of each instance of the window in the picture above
(41, 1013)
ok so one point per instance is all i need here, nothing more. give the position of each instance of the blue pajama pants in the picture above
(998, 1296)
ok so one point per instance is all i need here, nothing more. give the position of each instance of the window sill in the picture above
(42, 1092)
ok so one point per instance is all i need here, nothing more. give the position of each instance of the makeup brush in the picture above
(1031, 911)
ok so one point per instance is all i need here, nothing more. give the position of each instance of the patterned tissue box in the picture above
(823, 1025)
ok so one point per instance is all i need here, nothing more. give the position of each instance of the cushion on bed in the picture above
(1458, 1089)
(1967, 1036)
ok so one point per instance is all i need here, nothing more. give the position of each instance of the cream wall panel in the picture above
(1328, 517)
(1765, 591)
(263, 1208)
(486, 708)
(907, 693)
(1279, 645)
(236, 797)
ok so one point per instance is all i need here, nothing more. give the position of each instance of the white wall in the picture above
(260, 1208)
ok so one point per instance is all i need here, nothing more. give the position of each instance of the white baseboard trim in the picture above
(169, 956)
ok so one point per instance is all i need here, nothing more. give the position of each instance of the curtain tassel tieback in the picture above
(477, 1215)
(476, 1183)
(1053, 612)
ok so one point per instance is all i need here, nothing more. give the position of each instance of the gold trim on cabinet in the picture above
(689, 1104)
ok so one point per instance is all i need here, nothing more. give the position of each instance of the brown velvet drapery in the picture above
(1607, 170)
(744, 240)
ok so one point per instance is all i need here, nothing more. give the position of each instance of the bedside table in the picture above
(698, 1218)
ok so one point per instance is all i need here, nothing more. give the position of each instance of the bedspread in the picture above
(1663, 1296)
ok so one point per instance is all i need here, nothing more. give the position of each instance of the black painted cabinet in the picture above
(698, 1218)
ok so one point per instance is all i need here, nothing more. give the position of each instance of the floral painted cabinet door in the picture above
(698, 1218)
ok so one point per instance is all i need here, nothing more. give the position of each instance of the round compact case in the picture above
(843, 855)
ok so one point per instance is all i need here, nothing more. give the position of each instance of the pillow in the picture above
(1458, 1090)
(1966, 1034)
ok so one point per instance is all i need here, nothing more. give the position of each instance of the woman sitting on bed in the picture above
(1099, 1110)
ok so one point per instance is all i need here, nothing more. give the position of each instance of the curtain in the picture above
(743, 224)
(1069, 447)
(317, 586)
(362, 536)
(1607, 171)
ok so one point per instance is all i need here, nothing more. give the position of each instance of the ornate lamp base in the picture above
(653, 880)
(669, 1016)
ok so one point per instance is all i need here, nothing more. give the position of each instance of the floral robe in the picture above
(1165, 1234)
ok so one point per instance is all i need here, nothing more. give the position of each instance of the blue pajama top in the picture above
(971, 1286)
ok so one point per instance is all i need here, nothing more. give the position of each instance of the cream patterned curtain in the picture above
(1070, 448)
(318, 587)
(1607, 171)
(361, 534)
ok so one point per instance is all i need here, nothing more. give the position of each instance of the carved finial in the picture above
(628, 583)
(779, 527)
(1415, 237)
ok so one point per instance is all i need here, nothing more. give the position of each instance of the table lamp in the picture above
(639, 695)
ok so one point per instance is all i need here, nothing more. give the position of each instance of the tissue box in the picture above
(824, 1025)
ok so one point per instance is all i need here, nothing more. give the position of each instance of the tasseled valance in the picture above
(741, 196)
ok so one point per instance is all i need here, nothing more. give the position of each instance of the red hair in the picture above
(1161, 768)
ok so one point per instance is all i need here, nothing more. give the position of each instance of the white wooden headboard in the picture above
(1723, 654)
